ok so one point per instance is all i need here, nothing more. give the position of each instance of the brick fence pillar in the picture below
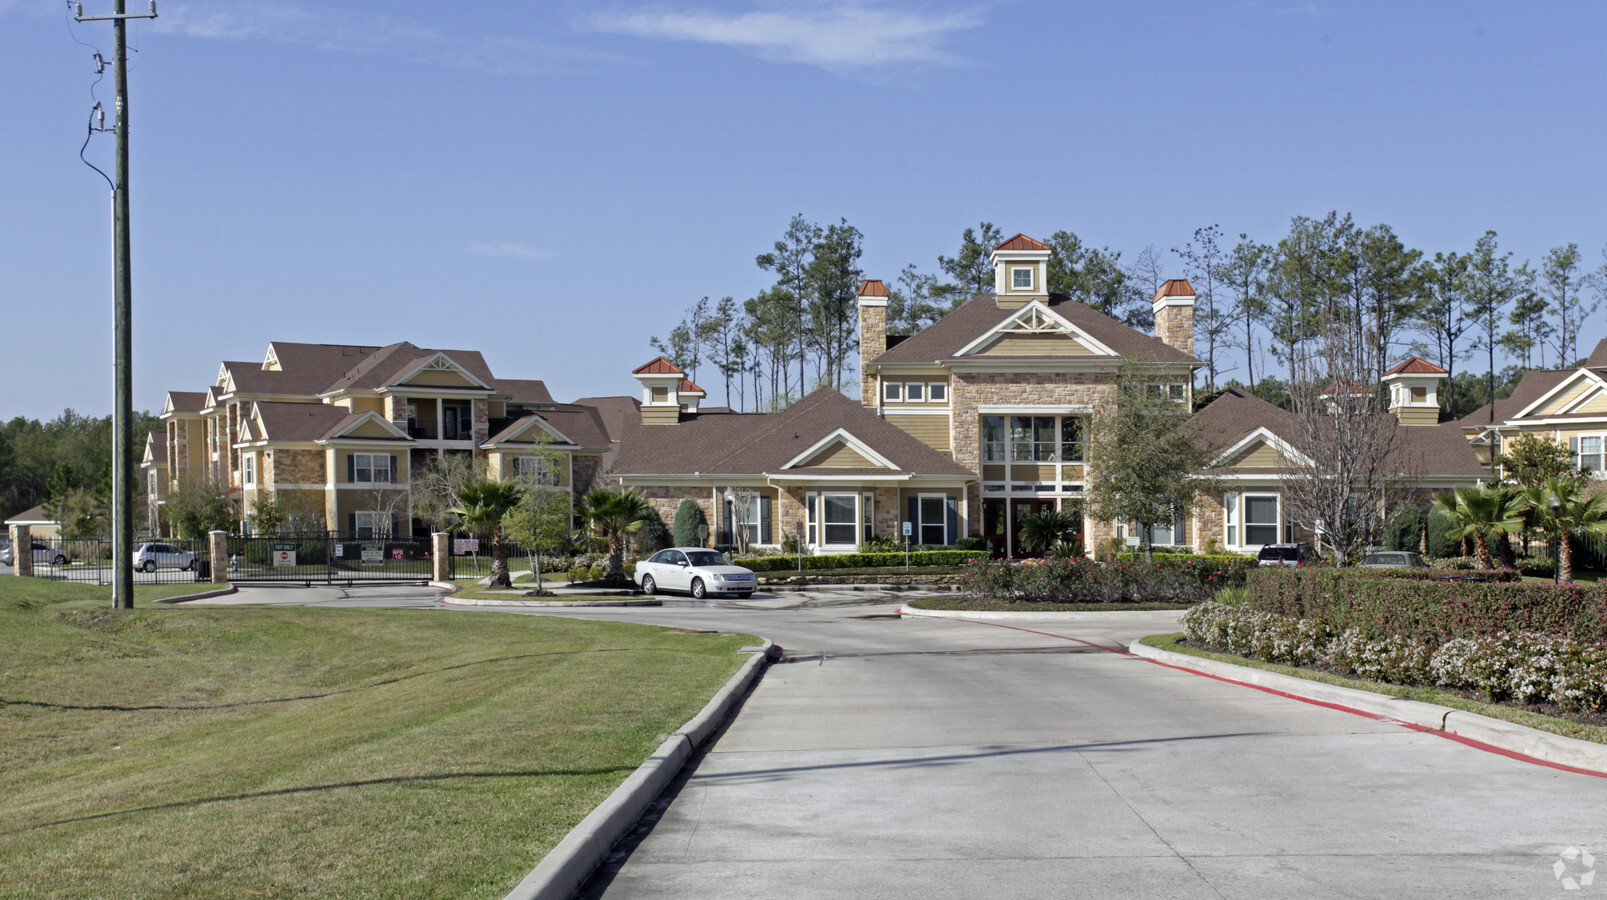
(22, 550)
(218, 549)
(440, 556)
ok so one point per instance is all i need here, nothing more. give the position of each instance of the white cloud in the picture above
(349, 32)
(839, 37)
(510, 250)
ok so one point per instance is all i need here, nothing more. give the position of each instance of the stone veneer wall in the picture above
(666, 499)
(1174, 325)
(588, 474)
(294, 467)
(872, 343)
(969, 391)
(482, 419)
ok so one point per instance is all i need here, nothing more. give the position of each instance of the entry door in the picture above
(1019, 510)
(994, 527)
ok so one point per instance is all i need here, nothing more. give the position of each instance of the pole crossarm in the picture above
(78, 14)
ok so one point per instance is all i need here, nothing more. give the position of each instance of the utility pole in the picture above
(123, 410)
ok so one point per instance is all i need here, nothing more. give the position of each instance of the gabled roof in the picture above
(1598, 356)
(658, 366)
(300, 421)
(34, 516)
(1414, 365)
(389, 364)
(523, 390)
(940, 341)
(1022, 242)
(1419, 450)
(569, 424)
(185, 403)
(155, 448)
(755, 443)
(616, 412)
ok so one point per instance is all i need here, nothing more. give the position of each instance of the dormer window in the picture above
(1021, 279)
(893, 391)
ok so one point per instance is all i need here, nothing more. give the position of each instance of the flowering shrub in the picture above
(1074, 579)
(1528, 667)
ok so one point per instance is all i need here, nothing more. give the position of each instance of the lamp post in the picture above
(1556, 542)
(730, 496)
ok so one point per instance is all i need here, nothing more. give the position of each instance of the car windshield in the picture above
(1380, 559)
(1279, 553)
(707, 558)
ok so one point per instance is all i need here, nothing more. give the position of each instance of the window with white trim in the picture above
(537, 467)
(372, 468)
(892, 391)
(840, 515)
(1230, 520)
(1021, 278)
(812, 516)
(993, 438)
(937, 392)
(1260, 519)
(248, 470)
(372, 524)
(1586, 452)
(915, 392)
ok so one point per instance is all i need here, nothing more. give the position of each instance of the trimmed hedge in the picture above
(856, 560)
(1381, 605)
(1177, 579)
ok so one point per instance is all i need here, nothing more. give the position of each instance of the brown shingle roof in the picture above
(1022, 242)
(388, 364)
(616, 412)
(1598, 356)
(1534, 384)
(1420, 450)
(187, 402)
(1415, 365)
(581, 424)
(1175, 287)
(658, 366)
(523, 390)
(300, 421)
(939, 341)
(36, 514)
(752, 443)
(873, 287)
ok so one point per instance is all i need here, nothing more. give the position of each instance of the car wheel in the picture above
(150, 566)
(649, 587)
(698, 592)
(61, 559)
(187, 567)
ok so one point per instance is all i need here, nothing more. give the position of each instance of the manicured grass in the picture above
(1534, 720)
(974, 604)
(249, 751)
(29, 593)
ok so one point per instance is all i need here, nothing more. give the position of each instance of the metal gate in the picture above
(330, 558)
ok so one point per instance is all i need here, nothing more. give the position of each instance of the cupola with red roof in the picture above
(1414, 391)
(662, 399)
(1020, 272)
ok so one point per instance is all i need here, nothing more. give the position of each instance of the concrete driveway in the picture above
(933, 758)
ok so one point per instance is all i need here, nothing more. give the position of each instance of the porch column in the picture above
(440, 556)
(218, 547)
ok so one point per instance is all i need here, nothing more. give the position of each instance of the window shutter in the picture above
(725, 522)
(351, 522)
(1573, 449)
(393, 475)
(351, 468)
(952, 520)
(765, 535)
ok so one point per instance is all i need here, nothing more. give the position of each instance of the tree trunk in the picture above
(499, 561)
(1481, 553)
(616, 557)
(1509, 559)
(1565, 559)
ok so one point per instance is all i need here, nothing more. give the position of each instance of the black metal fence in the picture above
(330, 558)
(155, 561)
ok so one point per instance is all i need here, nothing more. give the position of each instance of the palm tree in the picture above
(1046, 530)
(482, 504)
(1562, 508)
(1481, 513)
(615, 513)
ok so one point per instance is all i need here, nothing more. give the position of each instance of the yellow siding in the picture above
(1036, 345)
(1019, 472)
(840, 456)
(1418, 415)
(661, 415)
(1260, 456)
(1560, 402)
(993, 473)
(440, 378)
(1596, 404)
(1072, 473)
(370, 430)
(931, 430)
(367, 404)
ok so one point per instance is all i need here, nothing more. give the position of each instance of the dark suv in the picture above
(1287, 555)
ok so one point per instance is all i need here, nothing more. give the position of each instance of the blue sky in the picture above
(554, 183)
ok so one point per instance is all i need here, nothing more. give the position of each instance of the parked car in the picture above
(1393, 559)
(694, 570)
(1287, 555)
(43, 555)
(152, 556)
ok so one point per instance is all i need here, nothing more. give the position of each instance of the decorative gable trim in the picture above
(362, 420)
(270, 363)
(1035, 318)
(223, 376)
(1562, 387)
(1263, 435)
(840, 436)
(557, 436)
(440, 362)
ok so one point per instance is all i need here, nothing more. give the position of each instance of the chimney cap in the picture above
(1175, 287)
(873, 287)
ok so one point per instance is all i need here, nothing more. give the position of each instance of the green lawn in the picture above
(204, 752)
(1534, 720)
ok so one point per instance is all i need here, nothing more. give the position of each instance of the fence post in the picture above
(22, 550)
(218, 549)
(440, 556)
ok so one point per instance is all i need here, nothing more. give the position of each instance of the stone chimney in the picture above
(1020, 272)
(1414, 391)
(661, 391)
(872, 335)
(1174, 314)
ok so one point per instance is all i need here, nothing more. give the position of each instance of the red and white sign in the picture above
(396, 554)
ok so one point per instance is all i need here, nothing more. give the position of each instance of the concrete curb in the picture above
(990, 615)
(561, 873)
(1507, 736)
(203, 595)
(447, 586)
(578, 601)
